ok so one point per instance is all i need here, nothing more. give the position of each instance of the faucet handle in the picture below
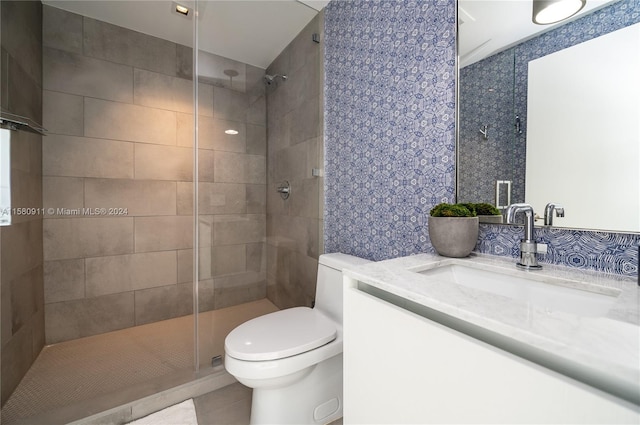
(548, 212)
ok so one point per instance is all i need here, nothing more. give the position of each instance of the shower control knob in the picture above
(284, 189)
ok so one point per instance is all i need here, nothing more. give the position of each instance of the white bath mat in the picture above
(179, 414)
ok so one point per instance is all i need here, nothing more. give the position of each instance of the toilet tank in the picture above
(329, 282)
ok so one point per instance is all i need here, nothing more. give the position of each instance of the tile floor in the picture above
(230, 405)
(226, 406)
(82, 376)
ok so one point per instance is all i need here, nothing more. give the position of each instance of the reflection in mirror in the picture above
(493, 99)
(5, 177)
(602, 95)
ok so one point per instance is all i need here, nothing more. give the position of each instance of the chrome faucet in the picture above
(548, 213)
(528, 246)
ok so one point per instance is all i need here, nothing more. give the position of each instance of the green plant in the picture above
(486, 209)
(451, 210)
(471, 207)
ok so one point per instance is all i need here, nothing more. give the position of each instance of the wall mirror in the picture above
(546, 113)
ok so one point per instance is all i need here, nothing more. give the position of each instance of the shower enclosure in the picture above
(158, 225)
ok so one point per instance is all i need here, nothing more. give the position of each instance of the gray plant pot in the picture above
(453, 236)
(490, 218)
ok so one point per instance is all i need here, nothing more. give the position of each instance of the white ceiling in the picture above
(489, 26)
(256, 31)
(249, 31)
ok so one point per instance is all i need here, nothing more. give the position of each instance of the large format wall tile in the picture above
(256, 198)
(228, 259)
(62, 30)
(21, 271)
(79, 318)
(121, 137)
(239, 168)
(26, 298)
(155, 162)
(257, 112)
(22, 36)
(66, 238)
(63, 280)
(162, 91)
(138, 197)
(238, 289)
(214, 198)
(63, 113)
(62, 193)
(295, 120)
(23, 93)
(163, 233)
(305, 121)
(163, 303)
(76, 74)
(122, 273)
(121, 45)
(230, 230)
(84, 157)
(20, 248)
(185, 264)
(122, 121)
(229, 104)
(17, 356)
(212, 135)
(256, 139)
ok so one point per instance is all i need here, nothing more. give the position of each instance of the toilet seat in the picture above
(281, 334)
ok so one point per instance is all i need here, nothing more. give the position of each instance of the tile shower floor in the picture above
(78, 378)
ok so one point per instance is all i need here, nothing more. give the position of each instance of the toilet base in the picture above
(315, 399)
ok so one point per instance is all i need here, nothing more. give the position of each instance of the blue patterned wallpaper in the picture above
(389, 123)
(390, 130)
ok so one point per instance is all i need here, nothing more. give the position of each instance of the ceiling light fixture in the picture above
(551, 11)
(231, 131)
(182, 9)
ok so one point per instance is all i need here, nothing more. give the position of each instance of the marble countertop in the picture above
(602, 350)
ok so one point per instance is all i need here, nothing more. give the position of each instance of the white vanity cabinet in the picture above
(401, 367)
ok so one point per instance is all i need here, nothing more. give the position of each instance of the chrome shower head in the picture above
(270, 79)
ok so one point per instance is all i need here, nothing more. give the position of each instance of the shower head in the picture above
(270, 79)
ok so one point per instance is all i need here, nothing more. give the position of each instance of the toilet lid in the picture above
(281, 334)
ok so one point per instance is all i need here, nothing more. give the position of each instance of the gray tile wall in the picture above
(119, 107)
(295, 147)
(21, 264)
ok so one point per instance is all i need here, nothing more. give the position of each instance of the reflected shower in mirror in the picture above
(493, 91)
(5, 177)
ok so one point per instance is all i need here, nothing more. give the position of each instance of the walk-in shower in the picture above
(101, 291)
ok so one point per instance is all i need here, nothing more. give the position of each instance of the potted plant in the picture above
(453, 229)
(487, 213)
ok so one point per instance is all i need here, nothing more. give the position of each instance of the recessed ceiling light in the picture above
(231, 131)
(182, 9)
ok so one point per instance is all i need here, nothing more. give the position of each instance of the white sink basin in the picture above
(544, 291)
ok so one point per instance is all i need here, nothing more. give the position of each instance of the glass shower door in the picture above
(231, 186)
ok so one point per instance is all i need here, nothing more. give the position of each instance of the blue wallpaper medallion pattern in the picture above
(389, 123)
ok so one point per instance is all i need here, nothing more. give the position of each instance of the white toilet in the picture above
(293, 358)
